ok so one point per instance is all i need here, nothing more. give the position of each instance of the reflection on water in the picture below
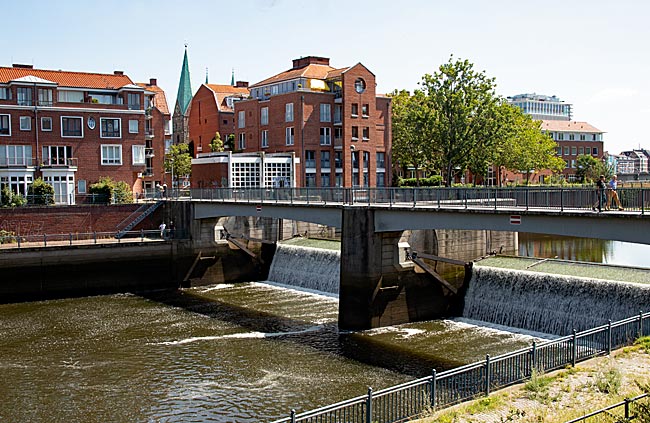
(584, 249)
(224, 353)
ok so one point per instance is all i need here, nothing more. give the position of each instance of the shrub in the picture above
(8, 198)
(433, 181)
(118, 192)
(40, 192)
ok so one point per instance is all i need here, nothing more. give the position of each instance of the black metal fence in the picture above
(401, 402)
(629, 410)
(9, 240)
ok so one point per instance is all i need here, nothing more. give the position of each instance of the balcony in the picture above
(149, 153)
(16, 161)
(148, 114)
(338, 143)
(60, 162)
(148, 133)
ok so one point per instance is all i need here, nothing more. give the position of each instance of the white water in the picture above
(547, 303)
(311, 268)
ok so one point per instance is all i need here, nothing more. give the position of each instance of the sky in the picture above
(593, 54)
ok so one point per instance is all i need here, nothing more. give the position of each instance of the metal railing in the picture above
(410, 399)
(87, 238)
(626, 411)
(520, 198)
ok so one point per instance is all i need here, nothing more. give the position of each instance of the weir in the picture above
(310, 268)
(549, 303)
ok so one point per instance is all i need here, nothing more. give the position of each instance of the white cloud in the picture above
(612, 94)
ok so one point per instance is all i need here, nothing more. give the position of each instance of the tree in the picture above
(118, 192)
(411, 119)
(178, 161)
(461, 101)
(590, 168)
(216, 145)
(40, 192)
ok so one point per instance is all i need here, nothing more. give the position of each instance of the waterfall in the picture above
(311, 268)
(548, 303)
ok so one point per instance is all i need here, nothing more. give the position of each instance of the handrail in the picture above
(87, 238)
(564, 350)
(611, 407)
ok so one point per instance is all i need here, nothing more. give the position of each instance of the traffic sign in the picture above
(515, 219)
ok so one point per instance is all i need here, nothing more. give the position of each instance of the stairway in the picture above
(139, 218)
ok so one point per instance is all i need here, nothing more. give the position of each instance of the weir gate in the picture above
(375, 287)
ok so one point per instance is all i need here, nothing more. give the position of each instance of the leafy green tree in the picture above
(178, 161)
(461, 101)
(110, 190)
(230, 142)
(216, 145)
(589, 169)
(8, 198)
(411, 120)
(40, 192)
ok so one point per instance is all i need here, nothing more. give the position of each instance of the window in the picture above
(325, 180)
(366, 159)
(70, 96)
(355, 160)
(338, 160)
(574, 150)
(57, 155)
(138, 154)
(241, 119)
(81, 186)
(242, 141)
(24, 96)
(46, 124)
(310, 180)
(25, 123)
(71, 126)
(366, 133)
(381, 179)
(571, 137)
(325, 160)
(265, 138)
(16, 155)
(325, 112)
(593, 137)
(133, 126)
(364, 110)
(583, 137)
(5, 93)
(359, 85)
(133, 101)
(338, 113)
(355, 132)
(355, 110)
(566, 150)
(44, 97)
(381, 160)
(110, 128)
(264, 116)
(325, 136)
(581, 150)
(338, 180)
(310, 159)
(289, 135)
(560, 136)
(594, 151)
(288, 112)
(111, 154)
(5, 125)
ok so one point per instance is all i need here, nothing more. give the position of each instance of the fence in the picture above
(626, 411)
(23, 241)
(523, 198)
(401, 402)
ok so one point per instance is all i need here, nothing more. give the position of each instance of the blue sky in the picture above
(593, 54)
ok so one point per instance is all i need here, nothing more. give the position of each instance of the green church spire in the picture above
(184, 95)
(232, 80)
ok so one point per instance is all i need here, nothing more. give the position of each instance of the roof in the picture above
(314, 71)
(65, 78)
(568, 126)
(184, 95)
(223, 91)
(159, 99)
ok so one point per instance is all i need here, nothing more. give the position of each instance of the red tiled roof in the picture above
(68, 79)
(336, 73)
(160, 100)
(314, 71)
(568, 126)
(223, 91)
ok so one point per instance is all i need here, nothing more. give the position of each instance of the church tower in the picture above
(181, 115)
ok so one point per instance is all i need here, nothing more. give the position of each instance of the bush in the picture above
(117, 192)
(433, 181)
(7, 237)
(40, 192)
(10, 199)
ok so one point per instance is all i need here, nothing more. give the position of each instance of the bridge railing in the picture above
(549, 198)
(410, 399)
(9, 241)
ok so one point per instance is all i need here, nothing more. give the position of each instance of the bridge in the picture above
(372, 221)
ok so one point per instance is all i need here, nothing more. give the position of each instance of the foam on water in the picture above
(240, 335)
(546, 303)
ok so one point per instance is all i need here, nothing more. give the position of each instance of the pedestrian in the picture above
(162, 230)
(172, 229)
(600, 192)
(612, 195)
(164, 190)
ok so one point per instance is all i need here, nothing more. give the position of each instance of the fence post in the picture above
(533, 366)
(95, 237)
(18, 240)
(392, 197)
(293, 416)
(527, 191)
(627, 408)
(609, 337)
(438, 197)
(487, 374)
(465, 192)
(414, 197)
(642, 201)
(640, 324)
(496, 192)
(369, 406)
(44, 240)
(574, 360)
(141, 235)
(433, 389)
(70, 235)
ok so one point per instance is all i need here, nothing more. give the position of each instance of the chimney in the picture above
(153, 81)
(310, 60)
(18, 65)
(118, 73)
(242, 84)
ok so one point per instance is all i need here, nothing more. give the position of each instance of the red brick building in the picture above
(211, 111)
(72, 128)
(331, 118)
(574, 139)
